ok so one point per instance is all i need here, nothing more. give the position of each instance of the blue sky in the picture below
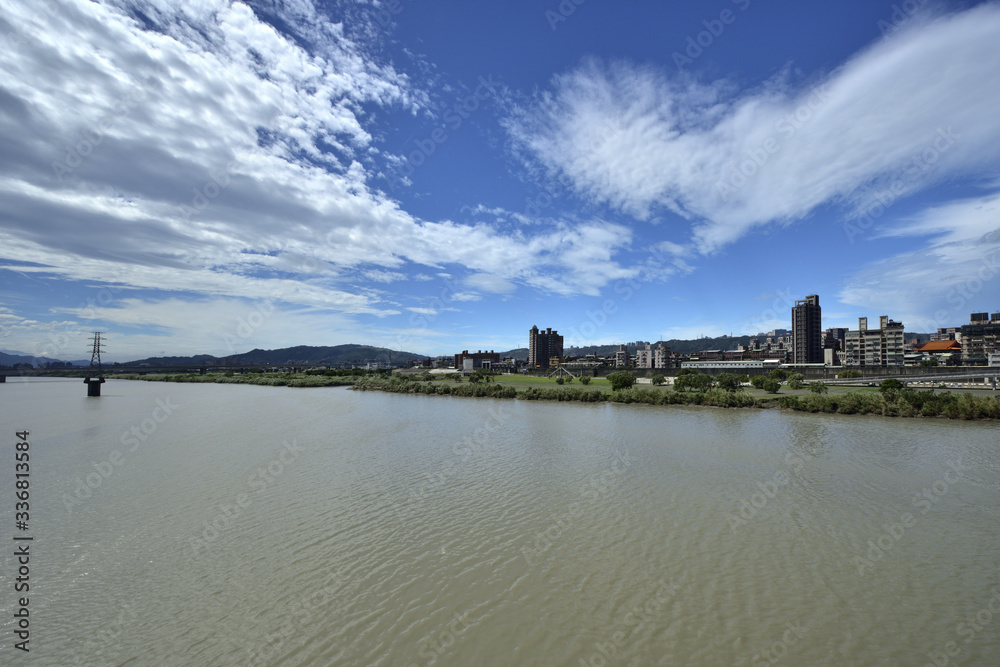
(219, 176)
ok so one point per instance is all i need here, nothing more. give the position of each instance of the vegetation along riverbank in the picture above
(891, 399)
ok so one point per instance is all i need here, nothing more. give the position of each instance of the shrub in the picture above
(758, 381)
(585, 380)
(559, 380)
(771, 386)
(659, 379)
(729, 382)
(701, 381)
(818, 388)
(890, 388)
(621, 380)
(779, 374)
(795, 384)
(848, 374)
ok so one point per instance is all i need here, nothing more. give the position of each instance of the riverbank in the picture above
(906, 403)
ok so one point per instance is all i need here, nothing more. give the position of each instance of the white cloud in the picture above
(200, 150)
(638, 140)
(940, 285)
(384, 276)
(490, 283)
(213, 326)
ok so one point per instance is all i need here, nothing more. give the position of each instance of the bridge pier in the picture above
(94, 386)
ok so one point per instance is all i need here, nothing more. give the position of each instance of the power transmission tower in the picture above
(94, 385)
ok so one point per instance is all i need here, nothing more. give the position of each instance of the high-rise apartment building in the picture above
(807, 319)
(663, 357)
(980, 338)
(542, 346)
(647, 356)
(644, 356)
(874, 347)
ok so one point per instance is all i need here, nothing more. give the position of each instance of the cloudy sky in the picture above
(212, 176)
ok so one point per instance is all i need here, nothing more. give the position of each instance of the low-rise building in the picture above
(470, 362)
(944, 352)
(746, 367)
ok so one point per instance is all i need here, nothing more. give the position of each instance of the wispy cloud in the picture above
(211, 153)
(729, 160)
(938, 286)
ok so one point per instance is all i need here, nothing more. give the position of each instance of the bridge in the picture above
(111, 371)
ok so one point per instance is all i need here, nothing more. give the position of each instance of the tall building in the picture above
(980, 338)
(647, 356)
(874, 347)
(542, 346)
(644, 356)
(807, 346)
(622, 356)
(662, 357)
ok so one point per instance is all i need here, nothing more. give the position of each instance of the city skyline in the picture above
(225, 177)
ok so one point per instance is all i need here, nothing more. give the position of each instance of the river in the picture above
(189, 524)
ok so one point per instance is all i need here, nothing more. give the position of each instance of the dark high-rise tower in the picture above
(807, 331)
(542, 345)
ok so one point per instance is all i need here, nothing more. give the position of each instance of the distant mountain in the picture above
(299, 355)
(11, 358)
